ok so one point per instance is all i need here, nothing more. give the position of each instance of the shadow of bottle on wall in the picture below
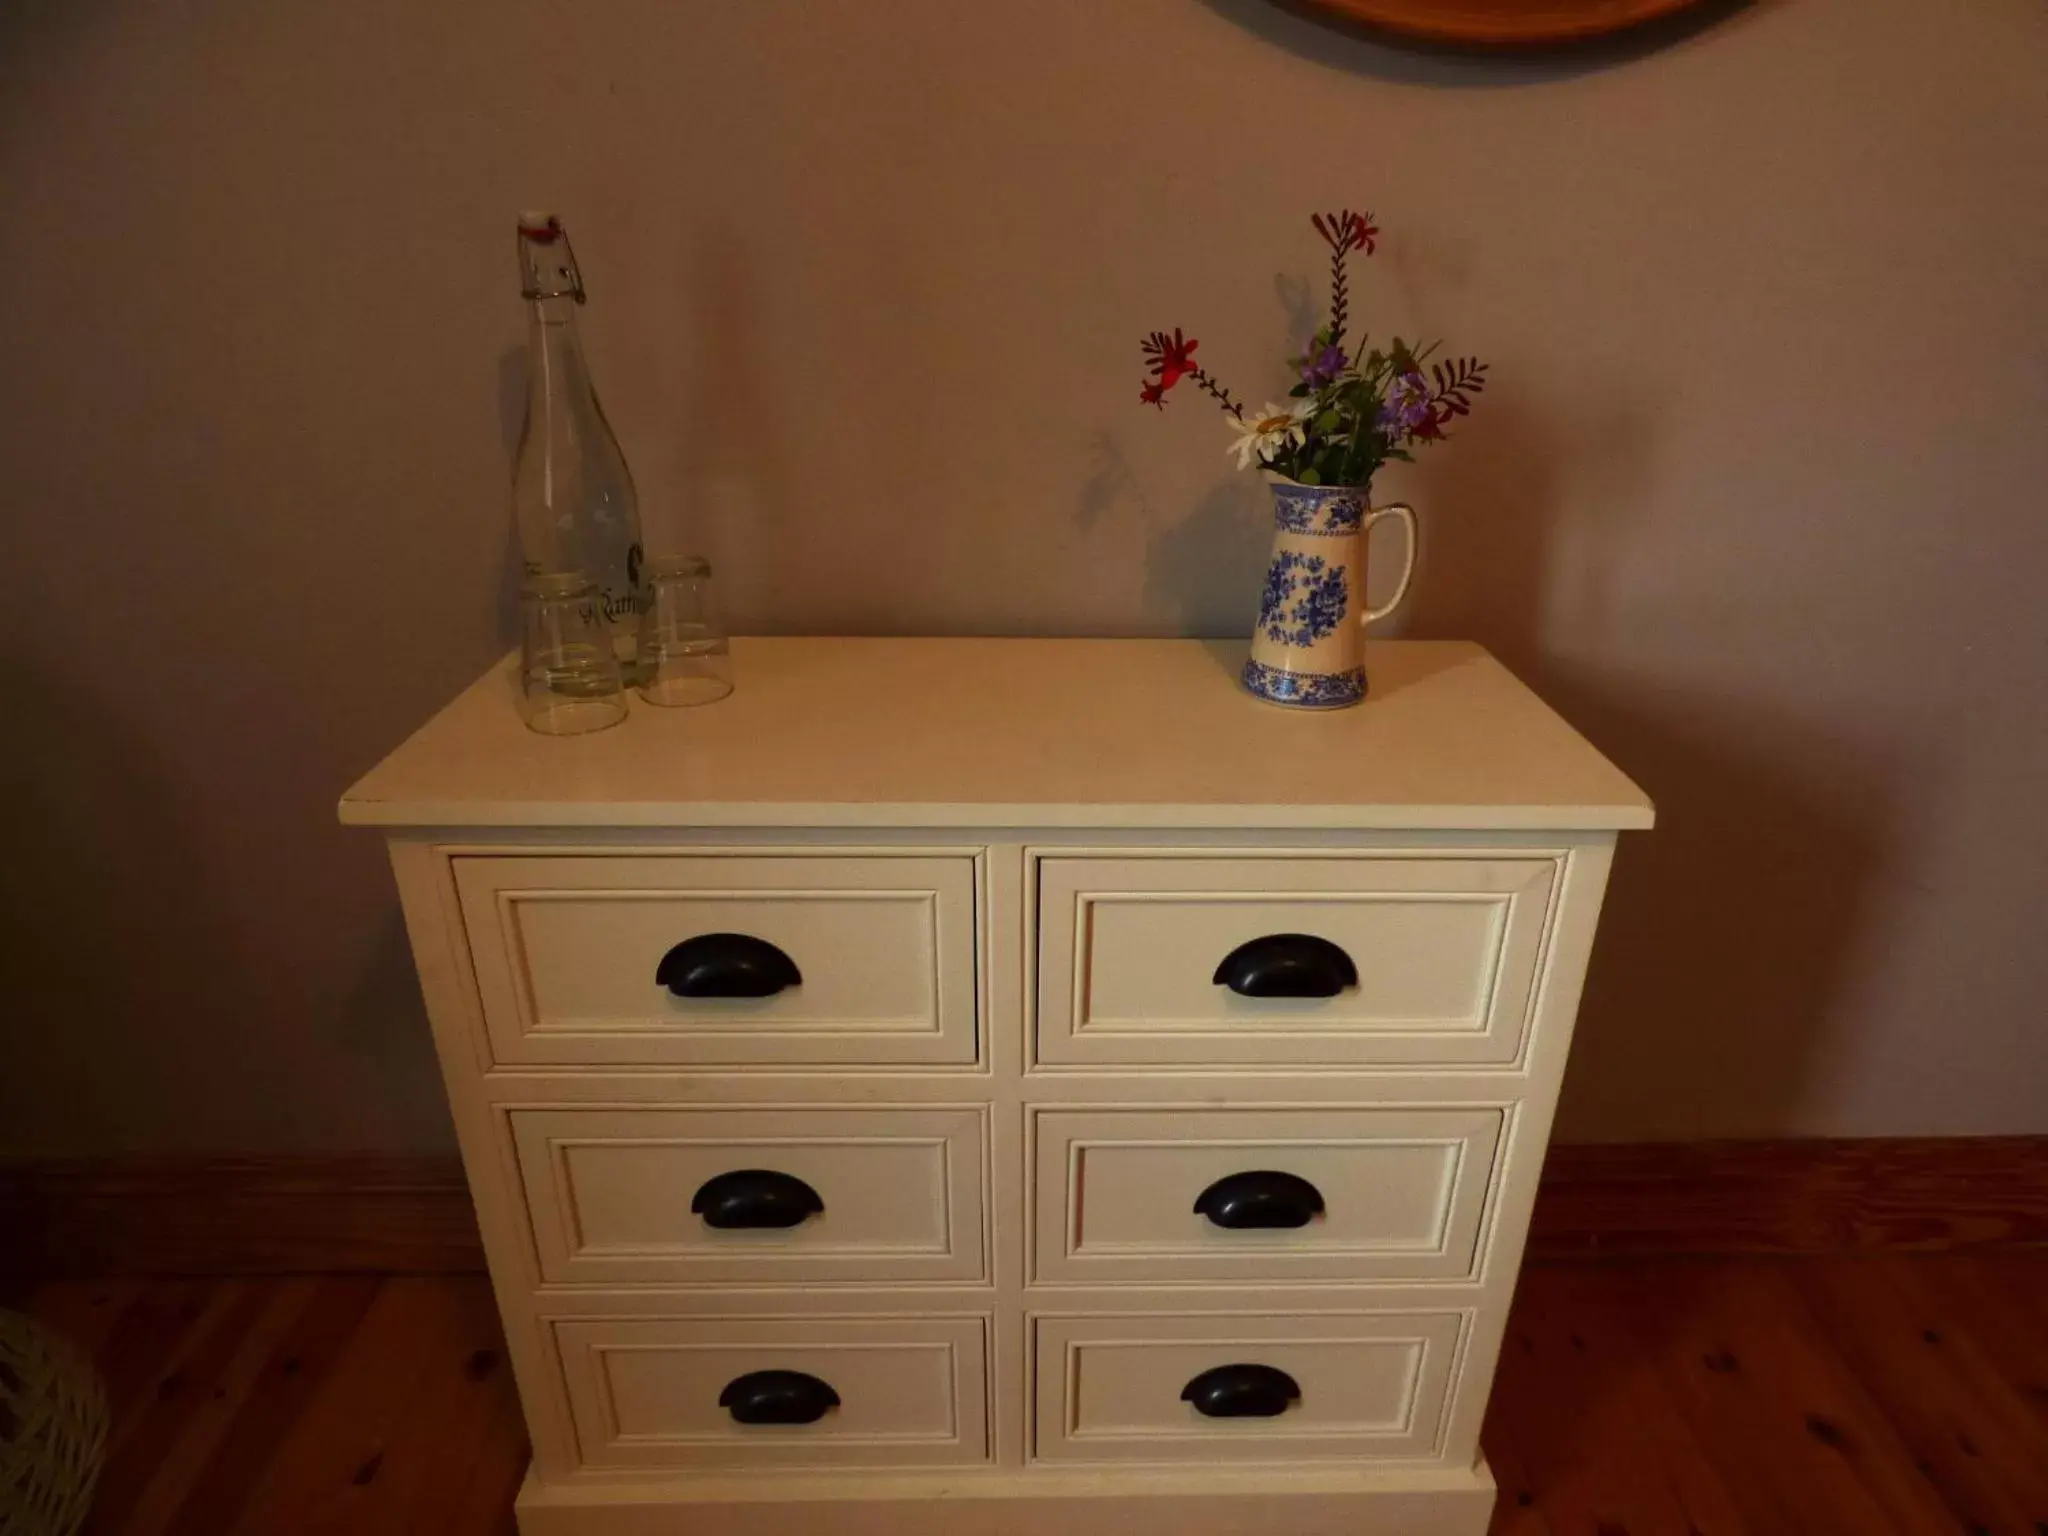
(511, 398)
(735, 499)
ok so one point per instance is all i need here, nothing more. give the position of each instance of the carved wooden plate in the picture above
(1503, 23)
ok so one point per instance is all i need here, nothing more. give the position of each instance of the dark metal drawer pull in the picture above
(1287, 965)
(726, 965)
(1242, 1392)
(1262, 1198)
(756, 1197)
(777, 1397)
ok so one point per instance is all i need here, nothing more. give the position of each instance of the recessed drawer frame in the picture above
(1447, 946)
(644, 1392)
(566, 948)
(609, 1193)
(1404, 1191)
(1372, 1386)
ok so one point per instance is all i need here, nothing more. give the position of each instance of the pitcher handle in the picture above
(1406, 514)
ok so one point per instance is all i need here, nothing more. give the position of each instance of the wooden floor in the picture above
(1777, 1397)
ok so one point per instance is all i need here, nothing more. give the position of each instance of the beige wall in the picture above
(1758, 497)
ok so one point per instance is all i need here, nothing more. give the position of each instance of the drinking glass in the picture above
(569, 680)
(684, 655)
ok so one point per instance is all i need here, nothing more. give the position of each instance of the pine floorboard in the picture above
(1865, 1395)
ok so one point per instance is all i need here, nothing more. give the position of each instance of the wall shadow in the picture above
(737, 504)
(111, 981)
(1213, 560)
(143, 1014)
(380, 1018)
(1732, 932)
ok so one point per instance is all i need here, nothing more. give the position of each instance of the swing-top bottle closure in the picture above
(547, 261)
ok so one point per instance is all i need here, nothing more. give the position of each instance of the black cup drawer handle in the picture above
(1262, 1198)
(1242, 1392)
(777, 1397)
(755, 1197)
(726, 965)
(1287, 965)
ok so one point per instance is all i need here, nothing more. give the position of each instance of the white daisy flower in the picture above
(1270, 429)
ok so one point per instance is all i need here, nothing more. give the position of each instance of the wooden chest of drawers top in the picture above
(1020, 733)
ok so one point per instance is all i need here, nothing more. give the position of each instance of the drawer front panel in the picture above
(610, 1192)
(1442, 956)
(567, 952)
(1365, 1385)
(902, 1391)
(1401, 1194)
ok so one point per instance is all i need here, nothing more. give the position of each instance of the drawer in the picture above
(1173, 1195)
(1428, 959)
(1354, 1385)
(707, 1195)
(575, 958)
(749, 1392)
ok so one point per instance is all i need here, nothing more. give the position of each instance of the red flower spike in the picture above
(1346, 231)
(1171, 357)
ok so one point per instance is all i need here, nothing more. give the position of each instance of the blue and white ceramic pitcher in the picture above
(1309, 648)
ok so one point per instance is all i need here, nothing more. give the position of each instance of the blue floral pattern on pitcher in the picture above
(1318, 509)
(1323, 604)
(1304, 599)
(1277, 593)
(1316, 690)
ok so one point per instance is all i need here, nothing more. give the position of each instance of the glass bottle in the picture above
(572, 494)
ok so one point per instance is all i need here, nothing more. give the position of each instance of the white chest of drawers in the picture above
(1025, 1087)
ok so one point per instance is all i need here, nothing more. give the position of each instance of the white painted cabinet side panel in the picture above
(433, 920)
(1569, 946)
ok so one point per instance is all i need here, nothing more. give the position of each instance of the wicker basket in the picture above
(53, 1431)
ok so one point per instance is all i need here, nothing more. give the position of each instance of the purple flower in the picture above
(1408, 408)
(1324, 366)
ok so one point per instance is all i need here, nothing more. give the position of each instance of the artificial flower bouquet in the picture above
(1354, 407)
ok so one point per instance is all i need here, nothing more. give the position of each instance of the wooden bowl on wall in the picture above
(1503, 23)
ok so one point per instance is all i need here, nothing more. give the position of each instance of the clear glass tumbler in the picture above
(684, 655)
(569, 680)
